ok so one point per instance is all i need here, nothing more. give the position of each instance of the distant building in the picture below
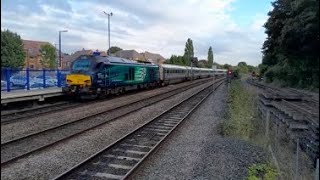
(66, 62)
(33, 56)
(144, 57)
(129, 54)
(153, 58)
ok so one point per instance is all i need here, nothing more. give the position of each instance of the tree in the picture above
(178, 60)
(48, 53)
(114, 49)
(188, 52)
(12, 53)
(210, 57)
(291, 49)
(226, 66)
(242, 67)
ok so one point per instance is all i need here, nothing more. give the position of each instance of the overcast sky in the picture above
(232, 27)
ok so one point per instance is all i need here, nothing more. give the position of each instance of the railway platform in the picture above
(24, 95)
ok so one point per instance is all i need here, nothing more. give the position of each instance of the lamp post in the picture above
(60, 46)
(108, 14)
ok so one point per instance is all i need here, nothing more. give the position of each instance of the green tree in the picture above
(113, 49)
(291, 49)
(243, 67)
(188, 52)
(226, 66)
(210, 57)
(12, 53)
(48, 53)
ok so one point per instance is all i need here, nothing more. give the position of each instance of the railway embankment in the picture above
(243, 125)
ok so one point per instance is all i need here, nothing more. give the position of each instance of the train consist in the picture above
(99, 76)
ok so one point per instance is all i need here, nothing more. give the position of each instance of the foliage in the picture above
(291, 45)
(48, 53)
(210, 57)
(188, 52)
(262, 171)
(178, 60)
(240, 115)
(226, 66)
(243, 67)
(12, 53)
(113, 49)
(203, 64)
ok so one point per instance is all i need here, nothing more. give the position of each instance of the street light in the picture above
(108, 14)
(60, 46)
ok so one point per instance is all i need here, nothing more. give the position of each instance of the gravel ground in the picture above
(53, 161)
(196, 151)
(21, 128)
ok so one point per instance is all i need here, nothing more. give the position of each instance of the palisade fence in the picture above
(29, 79)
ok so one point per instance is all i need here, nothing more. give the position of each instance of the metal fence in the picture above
(27, 79)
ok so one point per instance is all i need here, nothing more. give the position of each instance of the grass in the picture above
(241, 114)
(262, 171)
(242, 121)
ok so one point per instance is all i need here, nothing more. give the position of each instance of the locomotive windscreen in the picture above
(81, 65)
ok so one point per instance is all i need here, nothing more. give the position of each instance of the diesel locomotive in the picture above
(93, 76)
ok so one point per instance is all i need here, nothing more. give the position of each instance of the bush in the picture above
(262, 171)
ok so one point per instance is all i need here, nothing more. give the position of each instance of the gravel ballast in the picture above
(196, 151)
(36, 124)
(55, 160)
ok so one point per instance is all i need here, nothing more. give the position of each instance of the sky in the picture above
(234, 28)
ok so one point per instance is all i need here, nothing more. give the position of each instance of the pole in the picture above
(59, 48)
(55, 52)
(108, 14)
(109, 32)
(191, 70)
(317, 170)
(297, 161)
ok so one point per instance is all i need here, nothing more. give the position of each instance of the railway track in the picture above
(11, 117)
(119, 160)
(15, 149)
(299, 112)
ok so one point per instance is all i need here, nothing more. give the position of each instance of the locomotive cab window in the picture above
(81, 65)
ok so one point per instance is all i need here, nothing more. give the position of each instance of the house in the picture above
(144, 57)
(66, 62)
(33, 56)
(129, 54)
(153, 58)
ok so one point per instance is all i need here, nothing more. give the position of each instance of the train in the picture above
(99, 76)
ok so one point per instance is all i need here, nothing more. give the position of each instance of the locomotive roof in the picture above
(113, 60)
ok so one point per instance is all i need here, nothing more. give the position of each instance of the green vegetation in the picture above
(188, 52)
(241, 121)
(12, 53)
(262, 171)
(210, 57)
(291, 49)
(241, 114)
(113, 49)
(48, 53)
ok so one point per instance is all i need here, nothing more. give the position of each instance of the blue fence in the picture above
(13, 79)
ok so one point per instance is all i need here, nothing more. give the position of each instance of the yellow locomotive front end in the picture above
(78, 83)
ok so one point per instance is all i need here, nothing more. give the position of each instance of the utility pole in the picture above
(60, 46)
(108, 14)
